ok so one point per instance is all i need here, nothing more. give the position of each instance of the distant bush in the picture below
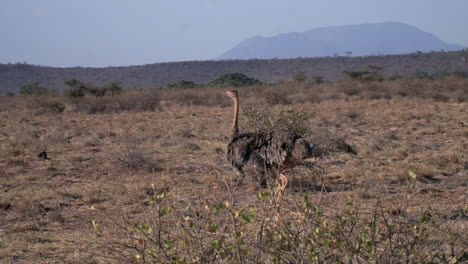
(72, 82)
(351, 88)
(460, 74)
(372, 73)
(364, 75)
(233, 79)
(317, 79)
(10, 94)
(77, 89)
(150, 102)
(395, 77)
(54, 107)
(26, 90)
(183, 84)
(113, 87)
(33, 89)
(98, 92)
(438, 97)
(75, 93)
(422, 75)
(97, 106)
(146, 100)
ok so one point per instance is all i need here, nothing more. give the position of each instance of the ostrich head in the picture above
(235, 98)
(232, 94)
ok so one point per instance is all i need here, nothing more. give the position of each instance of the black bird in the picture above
(43, 155)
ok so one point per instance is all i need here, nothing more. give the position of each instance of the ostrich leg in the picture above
(280, 187)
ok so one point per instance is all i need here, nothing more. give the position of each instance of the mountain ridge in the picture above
(387, 38)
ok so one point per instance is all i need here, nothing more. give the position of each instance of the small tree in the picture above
(233, 79)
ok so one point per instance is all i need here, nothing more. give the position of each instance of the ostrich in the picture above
(267, 153)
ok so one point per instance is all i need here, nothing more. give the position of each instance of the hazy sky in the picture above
(124, 32)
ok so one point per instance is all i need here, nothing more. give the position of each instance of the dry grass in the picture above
(410, 135)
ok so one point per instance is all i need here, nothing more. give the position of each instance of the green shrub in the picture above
(422, 75)
(75, 93)
(33, 89)
(318, 79)
(53, 107)
(226, 231)
(26, 90)
(364, 75)
(183, 84)
(72, 82)
(233, 79)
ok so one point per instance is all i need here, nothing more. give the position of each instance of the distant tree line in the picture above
(78, 89)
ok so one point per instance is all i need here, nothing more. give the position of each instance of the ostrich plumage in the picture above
(265, 154)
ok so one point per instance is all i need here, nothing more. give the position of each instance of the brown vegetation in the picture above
(141, 176)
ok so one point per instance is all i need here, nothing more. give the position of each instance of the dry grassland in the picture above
(120, 184)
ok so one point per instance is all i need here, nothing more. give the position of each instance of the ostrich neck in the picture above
(235, 126)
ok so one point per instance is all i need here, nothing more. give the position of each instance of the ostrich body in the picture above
(265, 153)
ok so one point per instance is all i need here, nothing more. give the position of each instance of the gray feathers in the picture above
(267, 151)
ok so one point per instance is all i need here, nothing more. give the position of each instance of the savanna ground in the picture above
(142, 176)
